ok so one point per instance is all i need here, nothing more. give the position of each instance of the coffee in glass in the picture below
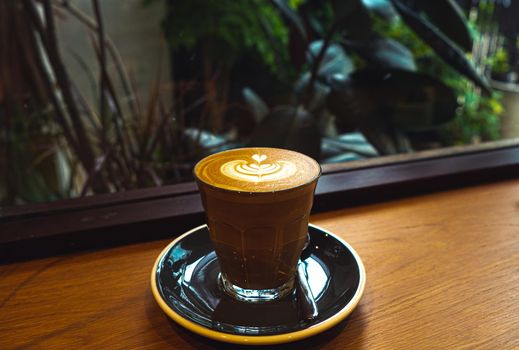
(257, 203)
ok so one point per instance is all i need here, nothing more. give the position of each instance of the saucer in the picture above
(184, 282)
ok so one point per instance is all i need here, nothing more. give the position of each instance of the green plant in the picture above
(218, 34)
(347, 74)
(499, 61)
(477, 117)
(387, 89)
(227, 28)
(112, 145)
(30, 154)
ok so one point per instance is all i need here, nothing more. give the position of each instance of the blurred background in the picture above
(105, 96)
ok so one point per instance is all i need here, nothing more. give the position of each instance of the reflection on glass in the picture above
(105, 96)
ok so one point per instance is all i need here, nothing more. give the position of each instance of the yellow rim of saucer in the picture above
(261, 339)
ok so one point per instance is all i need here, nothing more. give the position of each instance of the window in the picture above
(113, 102)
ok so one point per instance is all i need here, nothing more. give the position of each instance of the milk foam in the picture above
(257, 169)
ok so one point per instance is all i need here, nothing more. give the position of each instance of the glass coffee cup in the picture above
(257, 203)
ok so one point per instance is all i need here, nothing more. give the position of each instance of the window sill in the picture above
(106, 220)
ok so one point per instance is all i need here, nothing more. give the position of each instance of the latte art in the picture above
(256, 172)
(258, 169)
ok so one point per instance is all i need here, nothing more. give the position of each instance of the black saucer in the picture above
(185, 285)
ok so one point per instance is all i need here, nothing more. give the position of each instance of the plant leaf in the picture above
(441, 44)
(449, 18)
(408, 101)
(385, 138)
(382, 8)
(385, 53)
(291, 128)
(292, 16)
(257, 106)
(335, 60)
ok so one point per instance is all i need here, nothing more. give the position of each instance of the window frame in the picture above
(38, 230)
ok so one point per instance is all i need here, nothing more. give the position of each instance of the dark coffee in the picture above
(257, 203)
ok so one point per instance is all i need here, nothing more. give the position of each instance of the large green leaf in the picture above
(448, 17)
(386, 138)
(335, 59)
(382, 8)
(291, 128)
(445, 48)
(406, 100)
(335, 62)
(384, 53)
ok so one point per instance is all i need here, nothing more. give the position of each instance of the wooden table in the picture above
(442, 273)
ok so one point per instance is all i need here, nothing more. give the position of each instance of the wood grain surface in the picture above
(442, 273)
